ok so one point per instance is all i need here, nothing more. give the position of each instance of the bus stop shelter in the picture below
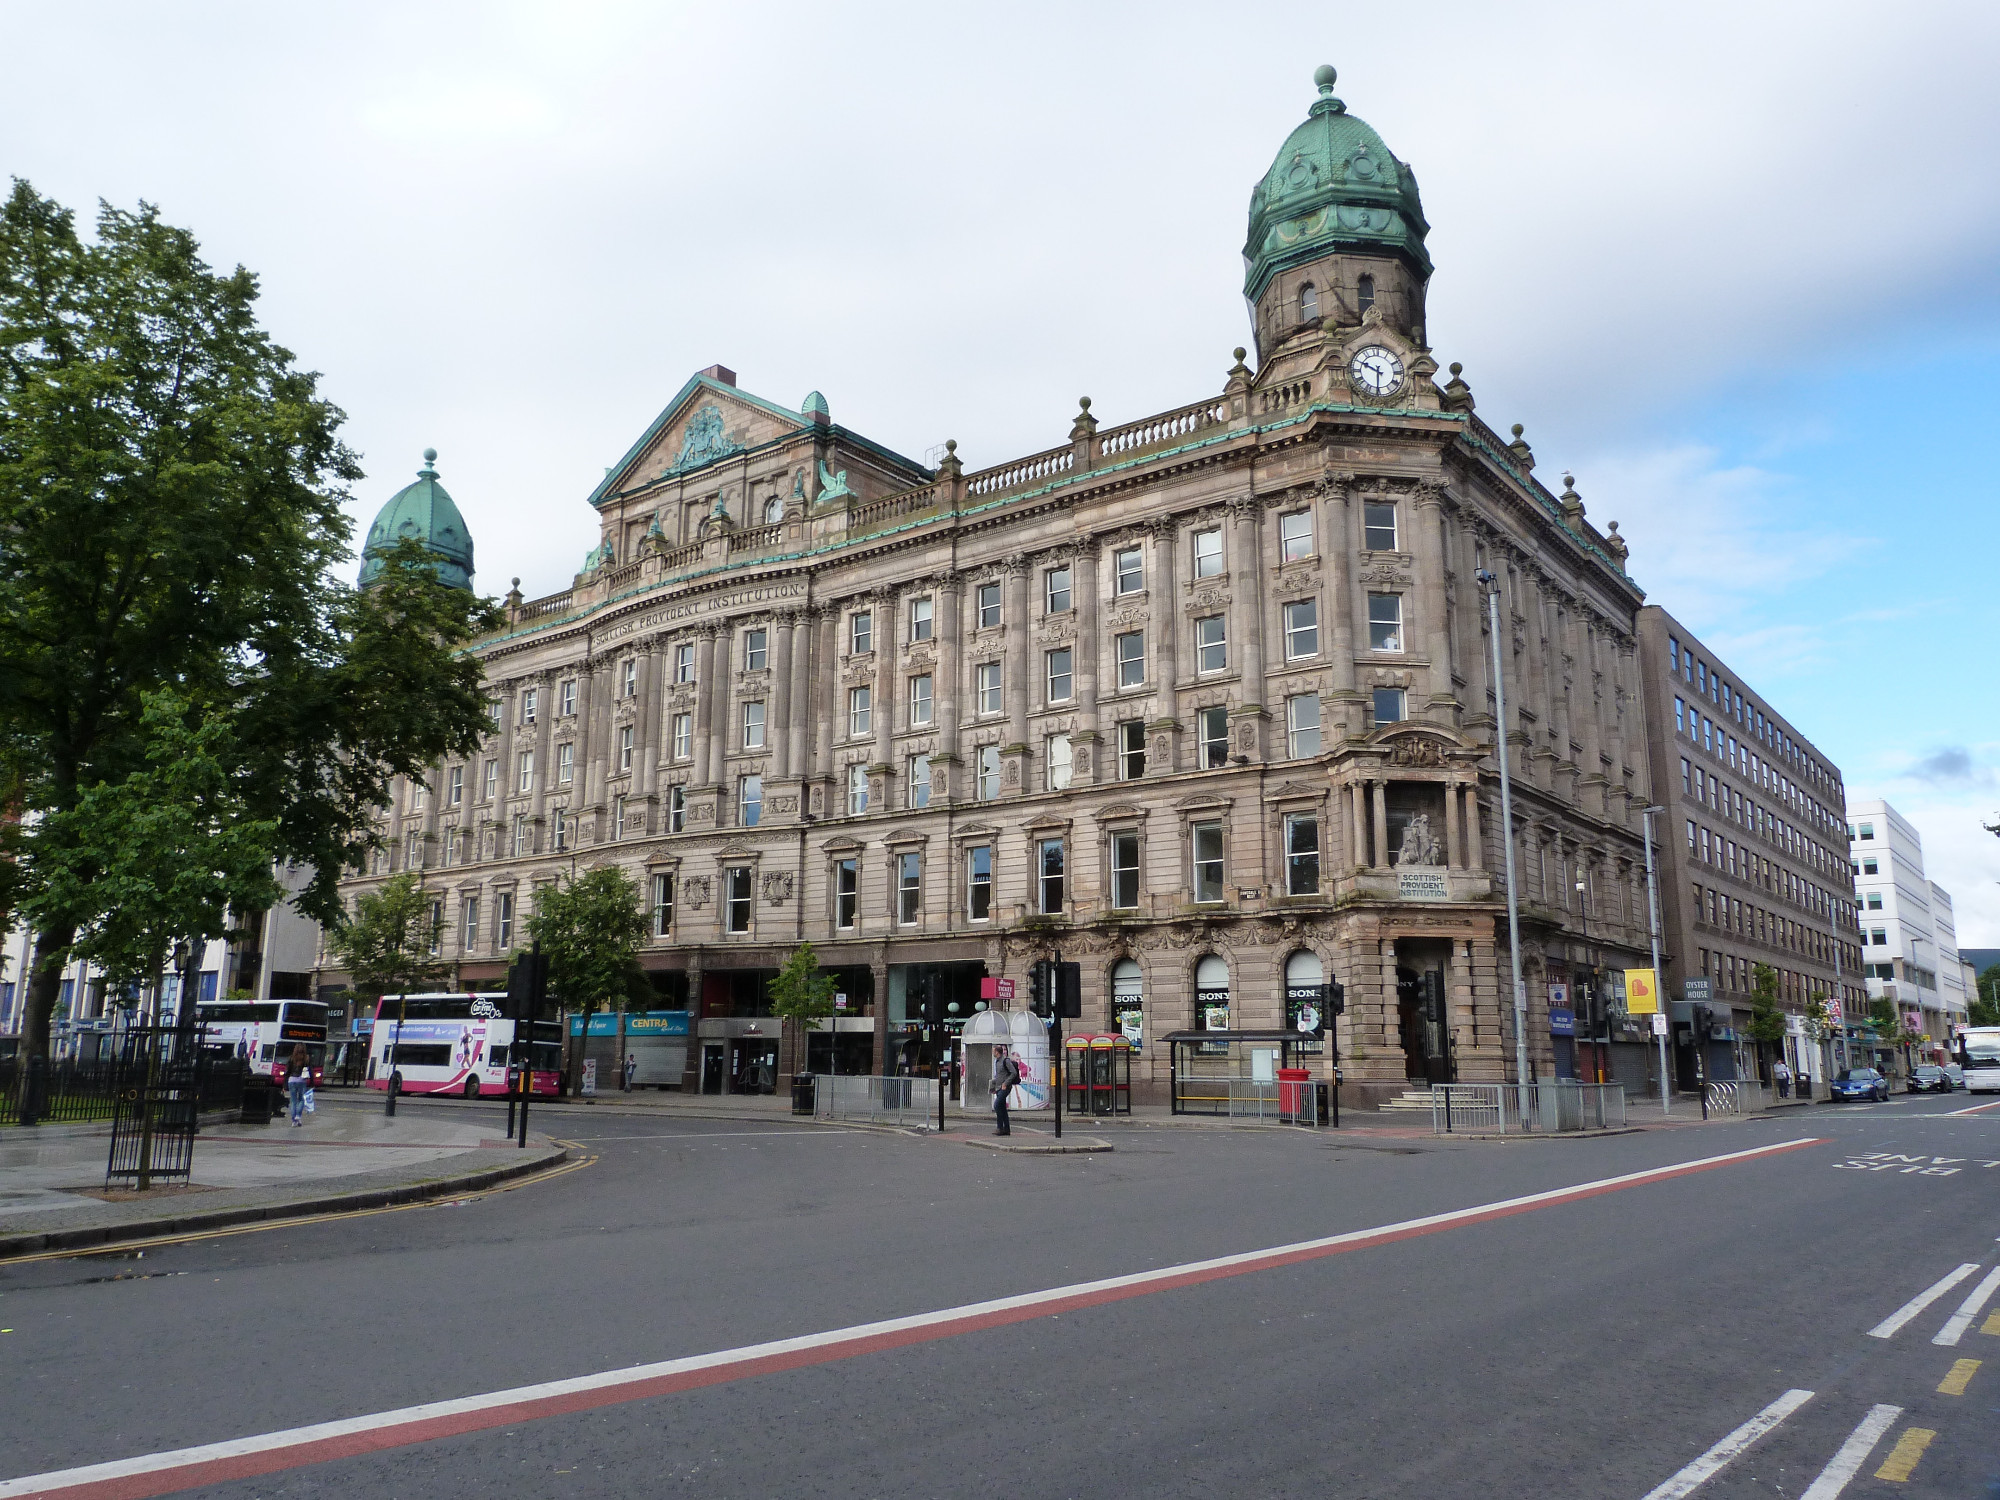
(1220, 1072)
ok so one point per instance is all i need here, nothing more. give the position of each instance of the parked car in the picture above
(1956, 1074)
(1929, 1078)
(1859, 1083)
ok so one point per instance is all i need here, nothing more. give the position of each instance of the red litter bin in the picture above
(1294, 1092)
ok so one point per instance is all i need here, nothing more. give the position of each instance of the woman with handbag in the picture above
(298, 1079)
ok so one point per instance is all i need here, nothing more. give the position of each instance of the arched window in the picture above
(1365, 297)
(1303, 969)
(1304, 1000)
(1128, 1000)
(1211, 994)
(1308, 303)
(774, 509)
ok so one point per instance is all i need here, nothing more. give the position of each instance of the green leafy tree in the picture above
(590, 929)
(160, 859)
(801, 995)
(1984, 1008)
(170, 517)
(386, 945)
(1767, 1017)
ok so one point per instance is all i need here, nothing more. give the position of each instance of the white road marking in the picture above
(1711, 1462)
(1970, 1308)
(1853, 1453)
(1891, 1325)
(716, 1135)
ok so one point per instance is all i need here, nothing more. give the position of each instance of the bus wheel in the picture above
(472, 1088)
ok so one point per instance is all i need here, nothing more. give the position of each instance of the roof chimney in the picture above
(722, 373)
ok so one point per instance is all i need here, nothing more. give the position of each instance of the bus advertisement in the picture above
(1979, 1056)
(264, 1032)
(458, 1044)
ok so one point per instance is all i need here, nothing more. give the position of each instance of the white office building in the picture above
(1908, 932)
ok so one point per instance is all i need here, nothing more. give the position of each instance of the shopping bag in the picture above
(309, 1101)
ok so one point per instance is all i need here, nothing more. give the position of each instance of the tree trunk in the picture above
(44, 984)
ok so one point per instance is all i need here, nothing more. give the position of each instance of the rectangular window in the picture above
(1131, 750)
(989, 605)
(566, 697)
(519, 842)
(524, 780)
(987, 687)
(846, 893)
(1687, 776)
(684, 662)
(861, 634)
(1295, 535)
(1131, 647)
(750, 801)
(909, 888)
(503, 921)
(1056, 587)
(1049, 870)
(1879, 936)
(1385, 622)
(468, 924)
(559, 829)
(1868, 830)
(1207, 861)
(530, 701)
(566, 763)
(917, 783)
(492, 780)
(683, 736)
(1211, 644)
(753, 726)
(920, 618)
(1301, 629)
(677, 809)
(1870, 867)
(858, 712)
(1213, 726)
(416, 796)
(1124, 871)
(1302, 725)
(618, 816)
(494, 711)
(628, 681)
(738, 882)
(1690, 823)
(1302, 854)
(989, 772)
(857, 788)
(1061, 675)
(1391, 706)
(1378, 526)
(1057, 762)
(1680, 716)
(756, 650)
(1673, 655)
(1129, 565)
(1207, 554)
(413, 858)
(663, 905)
(920, 699)
(626, 736)
(454, 787)
(979, 882)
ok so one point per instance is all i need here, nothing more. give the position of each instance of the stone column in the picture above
(831, 706)
(1246, 629)
(797, 752)
(780, 727)
(707, 737)
(1476, 650)
(1086, 589)
(1344, 716)
(648, 751)
(723, 654)
(1381, 799)
(888, 638)
(1163, 587)
(950, 670)
(1427, 517)
(1020, 670)
(1357, 819)
(878, 973)
(544, 772)
(1451, 856)
(1475, 848)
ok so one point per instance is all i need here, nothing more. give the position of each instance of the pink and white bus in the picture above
(458, 1044)
(264, 1032)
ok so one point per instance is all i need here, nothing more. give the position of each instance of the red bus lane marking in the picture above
(266, 1453)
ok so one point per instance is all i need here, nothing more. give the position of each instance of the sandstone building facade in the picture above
(1203, 701)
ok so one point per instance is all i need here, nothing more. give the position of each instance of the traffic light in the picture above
(1041, 999)
(931, 997)
(1069, 991)
(527, 984)
(1336, 999)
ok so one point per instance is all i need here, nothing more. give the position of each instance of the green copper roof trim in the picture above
(1461, 419)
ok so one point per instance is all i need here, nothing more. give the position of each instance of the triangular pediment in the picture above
(707, 421)
(1300, 789)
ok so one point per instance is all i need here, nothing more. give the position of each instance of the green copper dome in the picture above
(425, 513)
(1334, 186)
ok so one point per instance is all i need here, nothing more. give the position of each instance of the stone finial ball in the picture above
(1083, 402)
(1518, 429)
(1324, 75)
(1457, 369)
(1239, 355)
(430, 455)
(951, 445)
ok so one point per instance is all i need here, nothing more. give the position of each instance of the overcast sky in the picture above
(1732, 264)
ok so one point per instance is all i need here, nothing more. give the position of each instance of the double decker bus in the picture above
(263, 1033)
(459, 1044)
(1978, 1053)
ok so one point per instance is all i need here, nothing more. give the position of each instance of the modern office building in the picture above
(1750, 860)
(1203, 701)
(1908, 928)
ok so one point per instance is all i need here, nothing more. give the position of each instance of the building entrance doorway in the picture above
(714, 1066)
(1422, 1026)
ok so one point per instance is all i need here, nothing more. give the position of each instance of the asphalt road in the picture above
(1593, 1345)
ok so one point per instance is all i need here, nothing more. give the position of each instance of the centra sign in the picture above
(1422, 885)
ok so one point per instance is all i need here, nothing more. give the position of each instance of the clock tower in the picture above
(1336, 233)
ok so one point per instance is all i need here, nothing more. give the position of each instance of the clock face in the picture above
(1376, 370)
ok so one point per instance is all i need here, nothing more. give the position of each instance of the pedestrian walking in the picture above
(1782, 1076)
(298, 1079)
(631, 1070)
(1006, 1075)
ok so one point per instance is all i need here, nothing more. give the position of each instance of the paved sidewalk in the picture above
(53, 1193)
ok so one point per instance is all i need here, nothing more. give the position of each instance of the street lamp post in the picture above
(1653, 924)
(1491, 584)
(1600, 1045)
